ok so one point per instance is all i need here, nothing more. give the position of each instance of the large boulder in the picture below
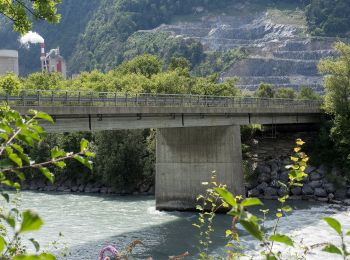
(315, 176)
(340, 194)
(309, 169)
(254, 193)
(270, 192)
(263, 168)
(283, 191)
(329, 187)
(322, 170)
(296, 191)
(319, 192)
(315, 184)
(264, 177)
(307, 190)
(262, 186)
(284, 176)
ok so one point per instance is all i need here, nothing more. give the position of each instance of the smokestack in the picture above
(42, 49)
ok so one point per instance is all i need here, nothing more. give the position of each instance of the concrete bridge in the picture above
(195, 134)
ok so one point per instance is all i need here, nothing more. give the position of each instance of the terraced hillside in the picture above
(281, 53)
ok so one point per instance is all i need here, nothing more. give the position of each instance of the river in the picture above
(89, 222)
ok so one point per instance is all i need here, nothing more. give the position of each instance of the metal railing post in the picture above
(115, 99)
(79, 98)
(52, 97)
(66, 99)
(38, 97)
(24, 98)
(126, 99)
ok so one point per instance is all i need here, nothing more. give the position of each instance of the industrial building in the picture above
(52, 61)
(8, 62)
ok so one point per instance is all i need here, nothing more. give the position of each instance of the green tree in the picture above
(265, 91)
(337, 98)
(287, 93)
(22, 13)
(308, 93)
(10, 84)
(179, 62)
(146, 65)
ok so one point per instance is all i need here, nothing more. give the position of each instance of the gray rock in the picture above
(322, 199)
(61, 188)
(253, 193)
(340, 194)
(269, 191)
(322, 170)
(264, 177)
(81, 188)
(319, 192)
(331, 196)
(274, 166)
(282, 191)
(314, 176)
(262, 168)
(347, 202)
(296, 191)
(307, 190)
(262, 186)
(274, 175)
(309, 169)
(329, 187)
(348, 193)
(284, 177)
(315, 184)
(95, 190)
(104, 190)
(75, 188)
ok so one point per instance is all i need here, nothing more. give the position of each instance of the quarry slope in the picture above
(280, 50)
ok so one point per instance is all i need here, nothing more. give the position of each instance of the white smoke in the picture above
(31, 38)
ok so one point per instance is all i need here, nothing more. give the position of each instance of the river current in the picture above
(90, 222)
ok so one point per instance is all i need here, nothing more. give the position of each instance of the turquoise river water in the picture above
(90, 222)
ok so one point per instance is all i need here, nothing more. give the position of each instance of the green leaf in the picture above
(332, 249)
(30, 222)
(227, 196)
(2, 244)
(56, 152)
(14, 157)
(83, 161)
(252, 229)
(11, 184)
(333, 223)
(35, 244)
(60, 164)
(49, 175)
(43, 256)
(83, 145)
(251, 202)
(347, 233)
(228, 233)
(89, 154)
(6, 197)
(282, 239)
(44, 116)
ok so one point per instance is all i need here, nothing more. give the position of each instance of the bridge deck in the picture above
(82, 111)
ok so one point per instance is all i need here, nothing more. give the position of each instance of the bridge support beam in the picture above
(186, 157)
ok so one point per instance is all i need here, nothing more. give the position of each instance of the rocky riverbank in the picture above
(266, 183)
(69, 186)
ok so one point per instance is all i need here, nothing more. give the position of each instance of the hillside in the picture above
(267, 41)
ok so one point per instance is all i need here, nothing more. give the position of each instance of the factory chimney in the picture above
(43, 59)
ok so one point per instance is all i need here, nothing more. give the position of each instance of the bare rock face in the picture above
(281, 52)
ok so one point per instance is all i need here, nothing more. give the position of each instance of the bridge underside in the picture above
(96, 122)
(186, 157)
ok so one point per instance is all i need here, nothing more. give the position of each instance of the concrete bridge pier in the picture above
(186, 157)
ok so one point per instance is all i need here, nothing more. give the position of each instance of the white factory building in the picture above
(8, 62)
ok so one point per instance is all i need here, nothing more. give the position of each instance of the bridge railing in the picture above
(79, 98)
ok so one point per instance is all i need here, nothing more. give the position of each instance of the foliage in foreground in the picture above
(218, 197)
(17, 133)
